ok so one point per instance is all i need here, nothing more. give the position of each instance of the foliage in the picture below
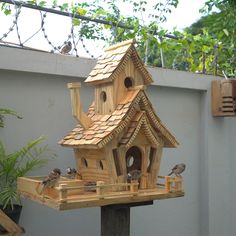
(220, 20)
(4, 112)
(200, 48)
(19, 163)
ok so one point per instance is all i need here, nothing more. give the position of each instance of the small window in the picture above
(116, 160)
(150, 159)
(100, 165)
(128, 82)
(130, 161)
(133, 159)
(103, 96)
(84, 162)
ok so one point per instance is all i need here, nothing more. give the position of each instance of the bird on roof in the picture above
(51, 180)
(72, 173)
(134, 175)
(66, 48)
(178, 169)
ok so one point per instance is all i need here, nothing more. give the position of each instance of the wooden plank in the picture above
(77, 112)
(8, 224)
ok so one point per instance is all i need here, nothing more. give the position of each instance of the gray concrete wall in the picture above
(34, 84)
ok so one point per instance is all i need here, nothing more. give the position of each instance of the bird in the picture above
(134, 175)
(66, 48)
(51, 180)
(177, 169)
(72, 173)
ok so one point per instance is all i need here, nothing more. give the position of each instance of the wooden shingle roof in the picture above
(126, 115)
(114, 60)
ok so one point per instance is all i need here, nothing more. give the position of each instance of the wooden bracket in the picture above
(11, 227)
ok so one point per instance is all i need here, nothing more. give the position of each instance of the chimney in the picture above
(77, 112)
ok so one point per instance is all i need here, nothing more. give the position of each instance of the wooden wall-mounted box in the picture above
(223, 98)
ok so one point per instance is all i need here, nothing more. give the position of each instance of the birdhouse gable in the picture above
(116, 59)
(133, 114)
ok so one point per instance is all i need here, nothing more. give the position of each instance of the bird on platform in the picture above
(72, 173)
(178, 169)
(134, 175)
(66, 48)
(51, 180)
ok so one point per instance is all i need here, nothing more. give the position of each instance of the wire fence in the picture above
(40, 28)
(48, 26)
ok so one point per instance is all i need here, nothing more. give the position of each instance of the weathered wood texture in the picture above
(115, 219)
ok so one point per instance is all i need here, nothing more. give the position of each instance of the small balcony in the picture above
(75, 193)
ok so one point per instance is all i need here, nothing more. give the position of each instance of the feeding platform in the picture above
(72, 194)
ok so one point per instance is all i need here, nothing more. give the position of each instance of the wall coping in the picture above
(34, 61)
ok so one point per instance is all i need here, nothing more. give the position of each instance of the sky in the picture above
(58, 27)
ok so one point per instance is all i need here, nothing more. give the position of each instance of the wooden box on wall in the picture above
(223, 98)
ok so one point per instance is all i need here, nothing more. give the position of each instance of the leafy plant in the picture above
(17, 164)
(4, 112)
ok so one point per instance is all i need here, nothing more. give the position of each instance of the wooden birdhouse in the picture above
(224, 97)
(121, 132)
(118, 143)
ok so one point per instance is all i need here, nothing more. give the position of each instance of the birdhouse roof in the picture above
(113, 62)
(132, 113)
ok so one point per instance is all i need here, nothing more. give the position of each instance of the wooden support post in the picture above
(167, 183)
(115, 219)
(134, 187)
(178, 184)
(100, 188)
(63, 192)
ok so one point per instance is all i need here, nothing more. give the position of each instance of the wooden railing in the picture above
(101, 189)
(171, 184)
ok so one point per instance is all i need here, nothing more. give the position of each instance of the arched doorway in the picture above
(133, 159)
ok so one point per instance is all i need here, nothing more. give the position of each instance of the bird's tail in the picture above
(170, 173)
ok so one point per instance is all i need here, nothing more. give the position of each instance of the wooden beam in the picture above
(8, 224)
(77, 111)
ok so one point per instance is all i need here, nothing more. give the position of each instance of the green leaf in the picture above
(76, 22)
(42, 3)
(226, 32)
(81, 11)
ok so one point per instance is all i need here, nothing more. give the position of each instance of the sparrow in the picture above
(177, 169)
(51, 180)
(66, 48)
(134, 175)
(72, 173)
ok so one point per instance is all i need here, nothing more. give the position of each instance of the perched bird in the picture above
(52, 178)
(72, 173)
(178, 169)
(66, 48)
(134, 175)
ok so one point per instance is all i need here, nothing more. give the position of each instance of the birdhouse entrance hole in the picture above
(128, 82)
(133, 159)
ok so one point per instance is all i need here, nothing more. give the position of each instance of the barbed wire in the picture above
(74, 35)
(54, 48)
